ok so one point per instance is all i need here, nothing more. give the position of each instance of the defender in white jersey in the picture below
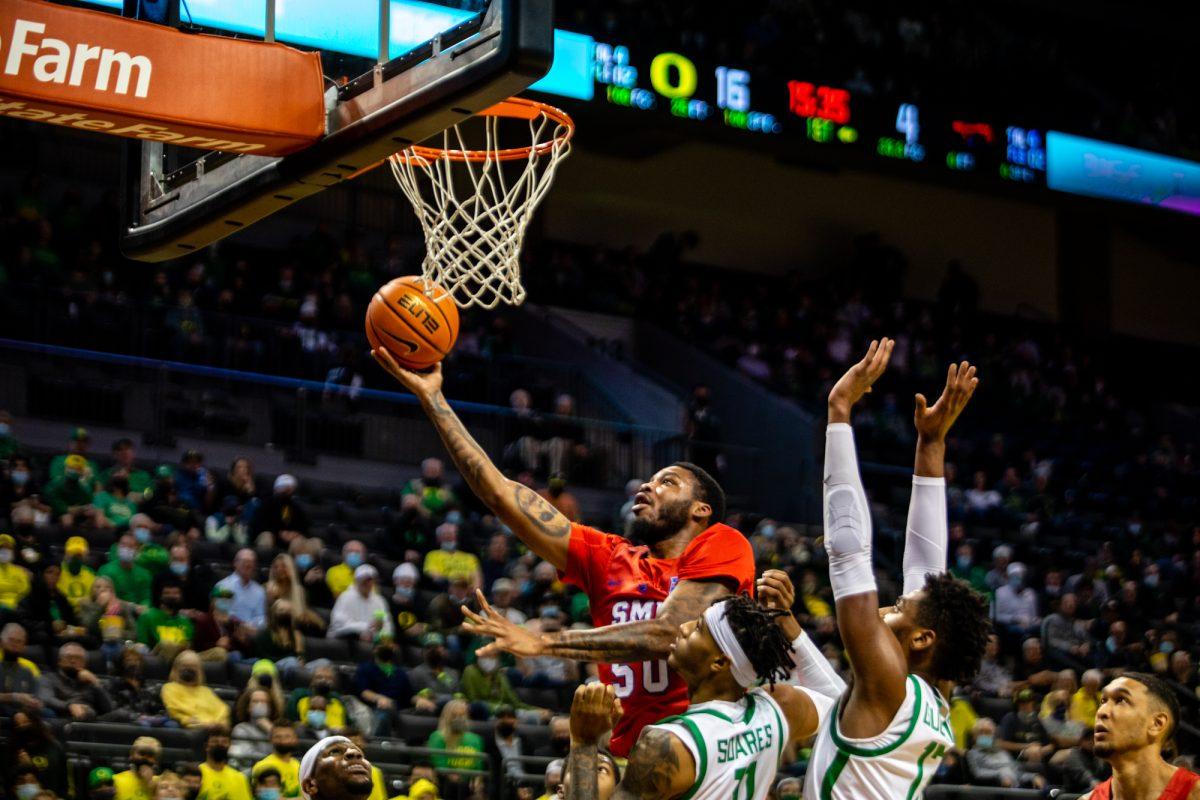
(728, 744)
(889, 731)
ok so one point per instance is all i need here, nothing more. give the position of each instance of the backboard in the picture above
(396, 72)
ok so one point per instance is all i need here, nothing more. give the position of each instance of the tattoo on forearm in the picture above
(584, 766)
(653, 767)
(468, 456)
(538, 511)
(632, 642)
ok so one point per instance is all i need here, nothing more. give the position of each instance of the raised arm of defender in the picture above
(535, 522)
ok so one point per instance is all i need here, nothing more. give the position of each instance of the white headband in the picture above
(308, 764)
(739, 665)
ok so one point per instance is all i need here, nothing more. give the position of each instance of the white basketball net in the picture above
(473, 241)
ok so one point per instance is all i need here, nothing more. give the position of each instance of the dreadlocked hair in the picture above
(959, 616)
(762, 641)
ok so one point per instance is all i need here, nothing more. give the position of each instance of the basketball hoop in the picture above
(474, 231)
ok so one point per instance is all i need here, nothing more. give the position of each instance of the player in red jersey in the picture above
(1135, 723)
(639, 593)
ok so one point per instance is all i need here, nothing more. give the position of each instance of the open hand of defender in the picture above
(933, 422)
(859, 379)
(509, 637)
(422, 384)
(594, 712)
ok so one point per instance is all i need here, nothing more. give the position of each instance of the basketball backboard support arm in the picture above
(402, 101)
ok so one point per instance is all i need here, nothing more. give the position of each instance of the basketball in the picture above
(418, 329)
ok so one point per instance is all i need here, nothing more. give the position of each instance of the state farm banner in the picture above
(99, 72)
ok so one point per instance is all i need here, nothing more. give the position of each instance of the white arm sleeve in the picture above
(813, 671)
(847, 517)
(927, 533)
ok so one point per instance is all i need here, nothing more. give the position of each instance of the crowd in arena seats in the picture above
(946, 55)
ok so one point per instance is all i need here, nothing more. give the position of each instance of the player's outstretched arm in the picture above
(537, 523)
(927, 534)
(812, 670)
(875, 654)
(620, 643)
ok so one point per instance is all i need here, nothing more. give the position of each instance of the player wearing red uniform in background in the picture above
(639, 593)
(1135, 723)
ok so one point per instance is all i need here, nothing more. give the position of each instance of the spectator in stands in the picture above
(448, 562)
(306, 553)
(47, 614)
(131, 582)
(453, 734)
(239, 484)
(965, 568)
(19, 491)
(170, 786)
(196, 576)
(560, 738)
(340, 577)
(280, 640)
(78, 445)
(195, 484)
(445, 612)
(435, 497)
(316, 724)
(137, 782)
(524, 433)
(993, 678)
(23, 778)
(991, 765)
(267, 783)
(125, 461)
(557, 495)
(1031, 669)
(107, 618)
(188, 700)
(165, 506)
(227, 524)
(1119, 650)
(33, 744)
(504, 594)
(163, 629)
(406, 605)
(18, 675)
(496, 560)
(997, 576)
(253, 712)
(14, 579)
(485, 684)
(323, 684)
(72, 692)
(133, 701)
(100, 784)
(114, 504)
(1022, 733)
(506, 743)
(408, 531)
(1066, 638)
(218, 780)
(151, 555)
(1016, 605)
(361, 612)
(383, 685)
(549, 671)
(1082, 769)
(249, 597)
(1085, 702)
(76, 578)
(283, 583)
(282, 759)
(281, 516)
(432, 679)
(30, 549)
(1183, 675)
(217, 629)
(70, 494)
(9, 446)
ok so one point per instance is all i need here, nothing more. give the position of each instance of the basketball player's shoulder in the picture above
(719, 537)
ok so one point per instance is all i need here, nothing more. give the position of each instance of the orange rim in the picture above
(512, 108)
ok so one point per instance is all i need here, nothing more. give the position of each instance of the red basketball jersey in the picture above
(1179, 787)
(624, 583)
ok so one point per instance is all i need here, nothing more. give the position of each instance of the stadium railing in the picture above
(167, 399)
(942, 791)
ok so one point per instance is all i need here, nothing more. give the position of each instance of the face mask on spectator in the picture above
(450, 546)
(180, 568)
(224, 605)
(454, 517)
(75, 566)
(322, 688)
(506, 728)
(1111, 644)
(985, 742)
(316, 719)
(354, 560)
(170, 604)
(6, 556)
(188, 674)
(126, 554)
(4, 429)
(1151, 581)
(71, 672)
(767, 531)
(405, 592)
(27, 791)
(102, 794)
(142, 535)
(1015, 582)
(488, 664)
(1167, 647)
(20, 477)
(964, 562)
(268, 793)
(218, 752)
(304, 562)
(260, 710)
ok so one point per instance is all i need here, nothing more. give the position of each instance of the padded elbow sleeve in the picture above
(847, 517)
(813, 671)
(927, 533)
